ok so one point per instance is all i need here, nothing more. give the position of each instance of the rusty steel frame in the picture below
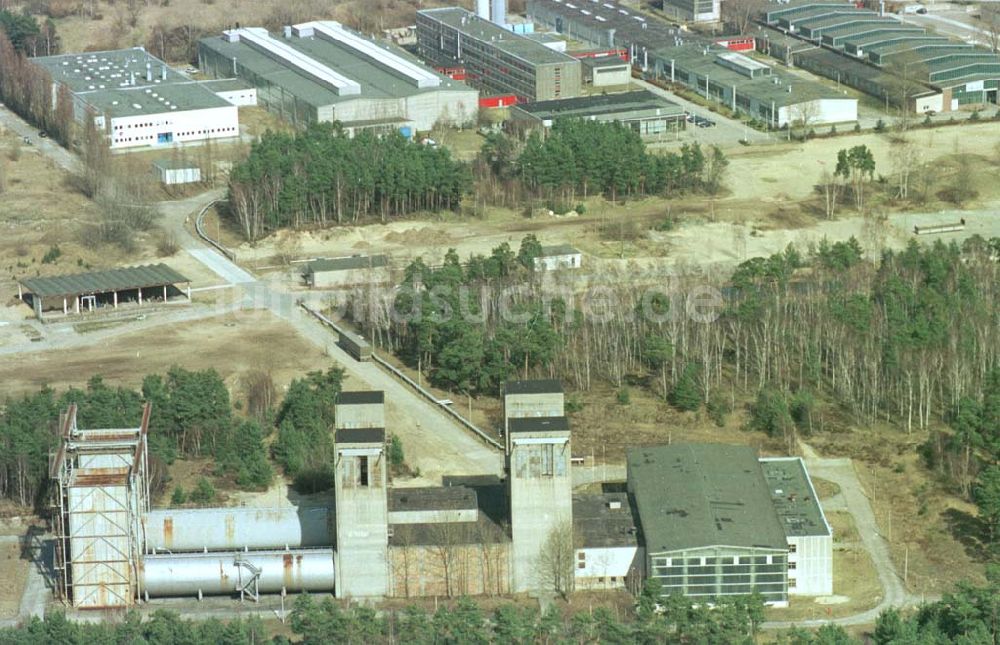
(115, 580)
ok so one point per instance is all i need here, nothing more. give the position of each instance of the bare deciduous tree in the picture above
(556, 560)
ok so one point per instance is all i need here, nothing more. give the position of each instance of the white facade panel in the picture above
(174, 127)
(552, 262)
(604, 567)
(932, 103)
(819, 112)
(810, 565)
(438, 516)
(449, 107)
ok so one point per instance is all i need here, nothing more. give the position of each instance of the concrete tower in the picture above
(362, 513)
(540, 489)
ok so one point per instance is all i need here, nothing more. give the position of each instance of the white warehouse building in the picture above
(320, 71)
(138, 101)
(810, 539)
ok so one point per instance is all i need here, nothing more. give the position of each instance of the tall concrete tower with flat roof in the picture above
(539, 481)
(361, 493)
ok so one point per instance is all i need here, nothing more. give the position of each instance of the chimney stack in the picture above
(149, 72)
(163, 73)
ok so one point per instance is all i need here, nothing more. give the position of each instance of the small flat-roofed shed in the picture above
(96, 289)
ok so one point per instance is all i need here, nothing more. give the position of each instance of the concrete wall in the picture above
(450, 570)
(541, 502)
(558, 80)
(810, 565)
(434, 516)
(610, 76)
(457, 107)
(177, 176)
(548, 404)
(362, 540)
(360, 415)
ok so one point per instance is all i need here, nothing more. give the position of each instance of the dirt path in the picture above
(841, 472)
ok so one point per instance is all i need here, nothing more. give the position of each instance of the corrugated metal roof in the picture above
(151, 275)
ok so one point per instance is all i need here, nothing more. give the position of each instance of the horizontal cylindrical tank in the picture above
(237, 528)
(211, 574)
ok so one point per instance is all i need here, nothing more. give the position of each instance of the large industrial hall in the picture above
(321, 71)
(138, 101)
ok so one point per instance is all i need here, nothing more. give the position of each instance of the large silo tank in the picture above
(483, 9)
(213, 574)
(237, 528)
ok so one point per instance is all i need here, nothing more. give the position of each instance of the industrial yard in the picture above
(602, 320)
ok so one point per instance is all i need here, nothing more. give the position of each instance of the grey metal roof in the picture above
(534, 386)
(360, 435)
(175, 164)
(432, 498)
(377, 81)
(346, 264)
(78, 284)
(115, 82)
(538, 424)
(793, 497)
(474, 27)
(698, 495)
(361, 397)
(597, 525)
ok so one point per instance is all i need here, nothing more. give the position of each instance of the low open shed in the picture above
(87, 292)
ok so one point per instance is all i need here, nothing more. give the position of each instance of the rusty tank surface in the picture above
(226, 573)
(217, 529)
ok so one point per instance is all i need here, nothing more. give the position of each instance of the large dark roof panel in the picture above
(699, 495)
(537, 386)
(361, 397)
(360, 435)
(152, 275)
(538, 424)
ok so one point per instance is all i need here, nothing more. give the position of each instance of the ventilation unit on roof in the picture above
(137, 106)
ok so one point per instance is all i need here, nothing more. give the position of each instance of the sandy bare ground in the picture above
(231, 344)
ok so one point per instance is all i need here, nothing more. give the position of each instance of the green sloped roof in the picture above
(152, 275)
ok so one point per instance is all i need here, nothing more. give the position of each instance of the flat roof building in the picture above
(642, 111)
(810, 539)
(870, 52)
(707, 521)
(751, 87)
(334, 273)
(138, 101)
(495, 59)
(321, 71)
(88, 292)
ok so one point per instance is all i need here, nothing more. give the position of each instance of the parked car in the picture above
(42, 134)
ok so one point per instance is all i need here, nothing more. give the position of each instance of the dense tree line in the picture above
(320, 176)
(192, 416)
(453, 323)
(27, 88)
(305, 419)
(966, 615)
(579, 158)
(27, 36)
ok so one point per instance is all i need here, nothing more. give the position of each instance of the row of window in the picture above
(142, 125)
(208, 131)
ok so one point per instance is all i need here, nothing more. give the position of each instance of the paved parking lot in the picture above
(725, 133)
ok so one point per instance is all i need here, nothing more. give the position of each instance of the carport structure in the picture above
(86, 292)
